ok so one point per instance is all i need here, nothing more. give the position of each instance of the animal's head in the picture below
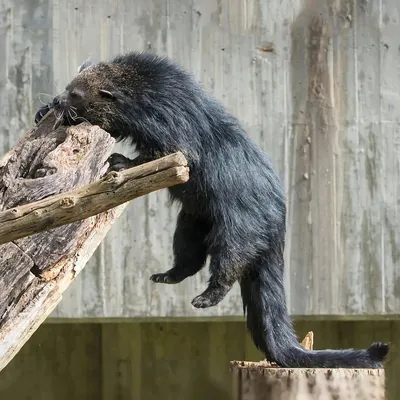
(102, 94)
(134, 95)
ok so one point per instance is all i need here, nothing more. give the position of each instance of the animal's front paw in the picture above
(42, 112)
(118, 162)
(166, 277)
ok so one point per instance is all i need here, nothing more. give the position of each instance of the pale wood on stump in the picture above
(35, 270)
(266, 381)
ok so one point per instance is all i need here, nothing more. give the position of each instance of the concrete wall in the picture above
(315, 82)
(168, 360)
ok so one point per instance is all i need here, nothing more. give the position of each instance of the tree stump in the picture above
(263, 380)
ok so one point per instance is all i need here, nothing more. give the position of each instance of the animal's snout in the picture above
(56, 101)
(59, 101)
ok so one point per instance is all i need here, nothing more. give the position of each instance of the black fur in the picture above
(233, 206)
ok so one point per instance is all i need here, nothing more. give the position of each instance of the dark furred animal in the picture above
(233, 206)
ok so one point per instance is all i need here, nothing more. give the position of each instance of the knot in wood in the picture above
(113, 178)
(15, 212)
(68, 202)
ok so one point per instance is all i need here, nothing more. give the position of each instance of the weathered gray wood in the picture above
(15, 272)
(110, 191)
(342, 241)
(43, 163)
(39, 268)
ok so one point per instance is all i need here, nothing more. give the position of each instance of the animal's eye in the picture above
(75, 94)
(106, 94)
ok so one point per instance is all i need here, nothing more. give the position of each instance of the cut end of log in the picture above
(180, 159)
(252, 380)
(182, 174)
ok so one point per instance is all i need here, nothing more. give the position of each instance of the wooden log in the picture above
(264, 380)
(36, 270)
(260, 380)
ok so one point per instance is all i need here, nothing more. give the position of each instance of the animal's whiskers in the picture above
(57, 88)
(59, 114)
(59, 117)
(72, 112)
(69, 115)
(81, 119)
(45, 103)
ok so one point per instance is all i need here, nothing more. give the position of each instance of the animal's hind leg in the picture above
(190, 250)
(224, 273)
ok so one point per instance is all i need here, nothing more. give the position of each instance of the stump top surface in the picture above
(265, 367)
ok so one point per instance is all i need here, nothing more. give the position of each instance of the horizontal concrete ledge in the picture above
(376, 317)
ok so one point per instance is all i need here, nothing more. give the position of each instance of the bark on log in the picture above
(36, 270)
(261, 380)
(112, 190)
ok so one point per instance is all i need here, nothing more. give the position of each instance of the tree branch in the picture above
(114, 189)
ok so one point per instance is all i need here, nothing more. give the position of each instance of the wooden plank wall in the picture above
(324, 103)
(152, 361)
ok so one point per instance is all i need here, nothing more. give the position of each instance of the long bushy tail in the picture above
(272, 332)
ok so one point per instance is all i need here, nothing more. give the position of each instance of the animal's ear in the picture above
(88, 63)
(107, 94)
